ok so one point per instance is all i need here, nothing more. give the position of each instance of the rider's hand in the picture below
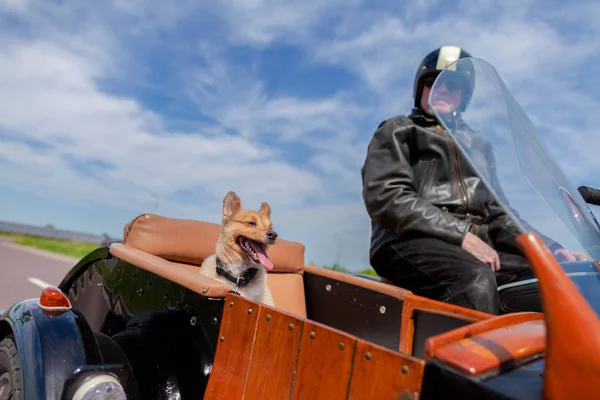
(568, 255)
(481, 250)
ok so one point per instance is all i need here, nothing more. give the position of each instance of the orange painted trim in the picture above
(488, 351)
(572, 363)
(407, 332)
(413, 302)
(434, 343)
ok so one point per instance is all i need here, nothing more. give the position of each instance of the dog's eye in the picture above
(251, 223)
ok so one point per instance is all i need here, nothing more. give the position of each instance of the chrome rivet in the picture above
(312, 335)
(140, 291)
(193, 321)
(230, 304)
(222, 338)
(291, 326)
(328, 288)
(368, 355)
(249, 310)
(382, 309)
(268, 317)
(341, 345)
(404, 369)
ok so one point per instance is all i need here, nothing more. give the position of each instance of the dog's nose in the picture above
(271, 235)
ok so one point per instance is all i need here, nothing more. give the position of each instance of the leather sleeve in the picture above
(389, 193)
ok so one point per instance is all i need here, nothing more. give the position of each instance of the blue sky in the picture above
(103, 104)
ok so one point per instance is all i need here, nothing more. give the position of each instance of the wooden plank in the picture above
(223, 386)
(274, 357)
(234, 348)
(379, 373)
(324, 363)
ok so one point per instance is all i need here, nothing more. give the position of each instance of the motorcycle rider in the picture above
(436, 228)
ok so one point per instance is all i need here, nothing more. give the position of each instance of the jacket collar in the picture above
(421, 118)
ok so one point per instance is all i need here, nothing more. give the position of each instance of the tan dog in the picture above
(241, 255)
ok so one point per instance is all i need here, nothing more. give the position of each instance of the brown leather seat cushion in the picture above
(191, 241)
(288, 292)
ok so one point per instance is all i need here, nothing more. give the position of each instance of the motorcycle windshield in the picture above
(501, 144)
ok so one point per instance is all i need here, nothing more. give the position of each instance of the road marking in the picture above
(39, 282)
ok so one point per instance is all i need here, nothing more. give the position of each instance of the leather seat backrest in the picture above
(189, 242)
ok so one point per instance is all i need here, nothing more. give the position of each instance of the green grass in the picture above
(65, 247)
(11, 234)
(340, 268)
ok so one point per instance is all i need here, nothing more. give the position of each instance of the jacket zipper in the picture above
(465, 200)
(460, 184)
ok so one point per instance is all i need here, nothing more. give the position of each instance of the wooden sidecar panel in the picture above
(285, 332)
(279, 355)
(379, 373)
(324, 363)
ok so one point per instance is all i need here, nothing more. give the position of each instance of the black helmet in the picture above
(434, 63)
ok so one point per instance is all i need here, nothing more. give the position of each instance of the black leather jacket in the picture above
(416, 183)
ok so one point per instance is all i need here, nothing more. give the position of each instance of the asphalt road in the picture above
(24, 271)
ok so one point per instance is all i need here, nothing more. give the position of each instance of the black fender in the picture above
(53, 349)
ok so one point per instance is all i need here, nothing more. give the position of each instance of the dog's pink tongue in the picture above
(262, 256)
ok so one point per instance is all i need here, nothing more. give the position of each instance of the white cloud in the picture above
(13, 5)
(53, 116)
(62, 104)
(262, 22)
(57, 107)
(238, 100)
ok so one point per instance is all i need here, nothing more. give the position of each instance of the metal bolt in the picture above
(291, 326)
(268, 317)
(222, 338)
(404, 369)
(312, 335)
(140, 291)
(193, 321)
(230, 304)
(249, 310)
(382, 309)
(328, 288)
(214, 320)
(368, 355)
(341, 345)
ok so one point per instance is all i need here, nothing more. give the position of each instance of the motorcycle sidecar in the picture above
(141, 314)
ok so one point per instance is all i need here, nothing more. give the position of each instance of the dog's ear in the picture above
(231, 205)
(265, 209)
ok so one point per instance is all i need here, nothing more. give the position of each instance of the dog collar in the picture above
(239, 281)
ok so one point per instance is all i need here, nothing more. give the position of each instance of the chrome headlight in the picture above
(100, 387)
